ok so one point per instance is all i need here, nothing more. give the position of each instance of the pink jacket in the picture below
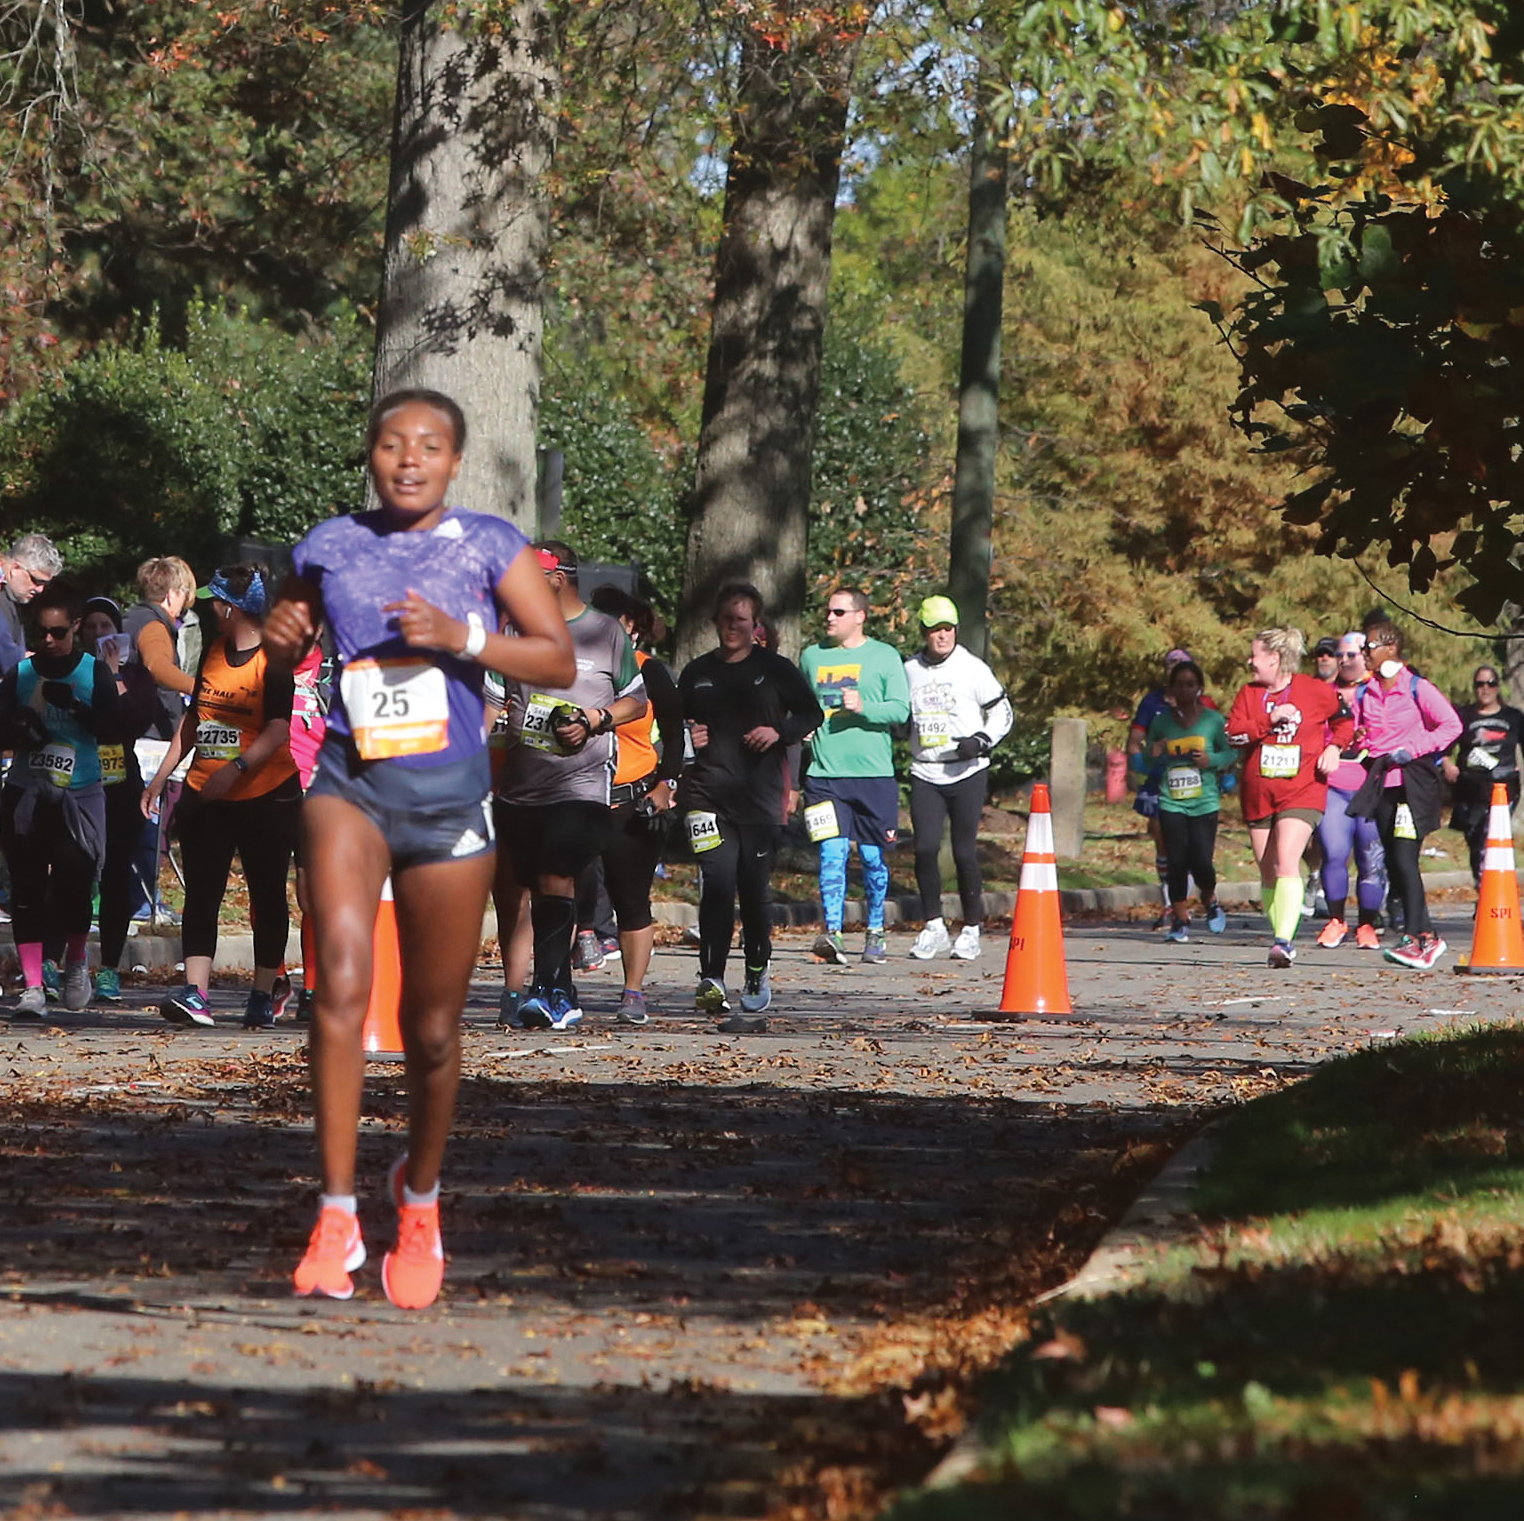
(1414, 716)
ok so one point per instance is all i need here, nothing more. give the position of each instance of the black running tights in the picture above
(740, 865)
(1190, 839)
(962, 802)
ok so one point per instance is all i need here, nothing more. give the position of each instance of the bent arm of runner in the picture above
(291, 626)
(893, 707)
(1439, 717)
(667, 704)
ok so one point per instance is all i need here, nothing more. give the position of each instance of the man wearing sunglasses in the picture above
(27, 569)
(850, 792)
(1487, 752)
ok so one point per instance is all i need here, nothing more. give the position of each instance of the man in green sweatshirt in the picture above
(850, 792)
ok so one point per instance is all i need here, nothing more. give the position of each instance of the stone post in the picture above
(1067, 778)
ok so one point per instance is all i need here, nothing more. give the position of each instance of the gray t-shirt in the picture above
(535, 768)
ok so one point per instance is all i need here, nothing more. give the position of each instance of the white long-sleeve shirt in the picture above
(949, 701)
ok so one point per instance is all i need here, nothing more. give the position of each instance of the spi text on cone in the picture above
(1036, 977)
(1497, 940)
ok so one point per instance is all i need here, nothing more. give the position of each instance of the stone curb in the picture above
(1160, 1216)
(159, 950)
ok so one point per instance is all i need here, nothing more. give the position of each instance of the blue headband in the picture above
(251, 602)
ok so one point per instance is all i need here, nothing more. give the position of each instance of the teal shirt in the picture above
(1187, 781)
(856, 744)
(72, 758)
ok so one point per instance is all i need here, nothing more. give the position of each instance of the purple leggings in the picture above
(1339, 834)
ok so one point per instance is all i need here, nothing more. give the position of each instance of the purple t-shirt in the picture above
(405, 711)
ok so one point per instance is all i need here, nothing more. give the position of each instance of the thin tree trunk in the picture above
(969, 554)
(748, 515)
(466, 235)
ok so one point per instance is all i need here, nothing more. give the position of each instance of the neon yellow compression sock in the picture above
(1287, 914)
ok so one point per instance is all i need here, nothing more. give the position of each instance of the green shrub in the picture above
(141, 449)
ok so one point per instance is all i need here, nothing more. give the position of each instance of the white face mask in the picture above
(1390, 668)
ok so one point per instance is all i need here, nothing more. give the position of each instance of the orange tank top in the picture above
(230, 712)
(637, 754)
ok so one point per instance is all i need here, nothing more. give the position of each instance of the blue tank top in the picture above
(417, 708)
(71, 758)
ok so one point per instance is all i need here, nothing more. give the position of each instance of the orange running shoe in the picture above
(1368, 937)
(413, 1270)
(335, 1250)
(1335, 933)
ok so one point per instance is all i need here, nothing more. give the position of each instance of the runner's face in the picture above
(1352, 663)
(1184, 688)
(1265, 665)
(414, 459)
(736, 625)
(940, 640)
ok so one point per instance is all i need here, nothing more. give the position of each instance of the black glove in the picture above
(570, 727)
(59, 694)
(973, 747)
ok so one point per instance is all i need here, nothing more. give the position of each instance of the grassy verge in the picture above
(1340, 1340)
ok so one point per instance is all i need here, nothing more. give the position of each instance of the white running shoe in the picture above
(966, 946)
(77, 987)
(932, 941)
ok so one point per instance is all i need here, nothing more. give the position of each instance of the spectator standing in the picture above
(958, 713)
(166, 588)
(28, 568)
(1487, 753)
(850, 792)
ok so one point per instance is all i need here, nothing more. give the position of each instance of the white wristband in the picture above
(476, 641)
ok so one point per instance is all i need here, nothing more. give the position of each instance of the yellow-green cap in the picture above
(936, 611)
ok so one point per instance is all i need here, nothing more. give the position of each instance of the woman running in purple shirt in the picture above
(414, 594)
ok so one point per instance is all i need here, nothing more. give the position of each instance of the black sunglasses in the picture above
(61, 632)
(1484, 683)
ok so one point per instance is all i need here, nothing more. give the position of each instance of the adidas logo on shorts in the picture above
(468, 844)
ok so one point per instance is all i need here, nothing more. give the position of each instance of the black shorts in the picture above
(438, 813)
(552, 839)
(867, 807)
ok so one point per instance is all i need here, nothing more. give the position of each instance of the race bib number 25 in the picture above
(396, 707)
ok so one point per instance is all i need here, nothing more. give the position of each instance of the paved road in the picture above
(675, 1257)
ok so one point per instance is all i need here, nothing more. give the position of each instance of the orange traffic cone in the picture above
(1497, 941)
(383, 1032)
(1036, 979)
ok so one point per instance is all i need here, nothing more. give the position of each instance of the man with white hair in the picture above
(31, 564)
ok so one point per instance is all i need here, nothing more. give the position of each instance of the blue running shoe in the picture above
(1178, 934)
(534, 1011)
(1217, 917)
(259, 1012)
(564, 1012)
(187, 1007)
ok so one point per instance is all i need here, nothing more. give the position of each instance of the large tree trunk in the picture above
(968, 563)
(466, 233)
(749, 512)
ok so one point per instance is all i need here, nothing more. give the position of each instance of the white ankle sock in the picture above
(431, 1197)
(345, 1202)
